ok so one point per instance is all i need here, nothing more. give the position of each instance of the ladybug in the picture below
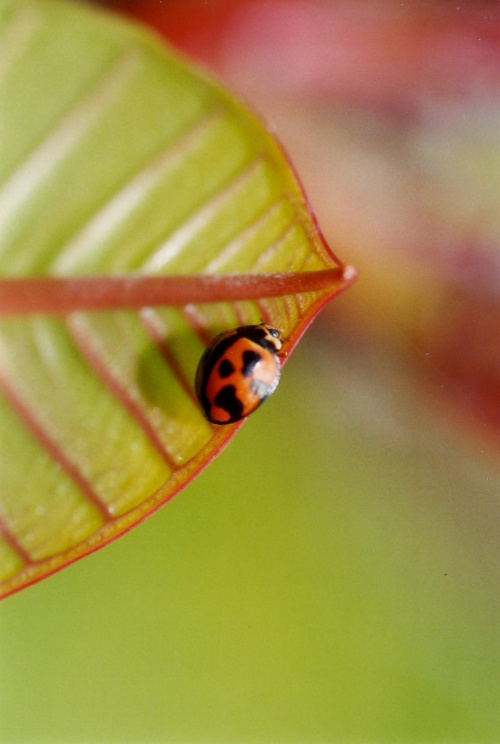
(237, 372)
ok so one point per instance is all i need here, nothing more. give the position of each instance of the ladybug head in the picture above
(267, 336)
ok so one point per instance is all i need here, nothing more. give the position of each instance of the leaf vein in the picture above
(12, 541)
(38, 166)
(130, 197)
(50, 445)
(99, 366)
(176, 242)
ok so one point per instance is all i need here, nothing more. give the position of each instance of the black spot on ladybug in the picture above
(228, 401)
(250, 359)
(225, 368)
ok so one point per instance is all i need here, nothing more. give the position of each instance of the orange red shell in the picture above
(238, 371)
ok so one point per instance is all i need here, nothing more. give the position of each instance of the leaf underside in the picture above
(117, 158)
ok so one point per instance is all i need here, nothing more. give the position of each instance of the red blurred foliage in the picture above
(461, 336)
(374, 53)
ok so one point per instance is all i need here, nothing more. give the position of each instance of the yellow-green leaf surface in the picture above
(117, 158)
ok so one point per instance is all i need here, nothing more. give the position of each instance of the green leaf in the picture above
(116, 158)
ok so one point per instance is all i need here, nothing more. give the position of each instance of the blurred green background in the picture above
(333, 576)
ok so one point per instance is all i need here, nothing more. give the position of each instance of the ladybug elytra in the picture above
(237, 372)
